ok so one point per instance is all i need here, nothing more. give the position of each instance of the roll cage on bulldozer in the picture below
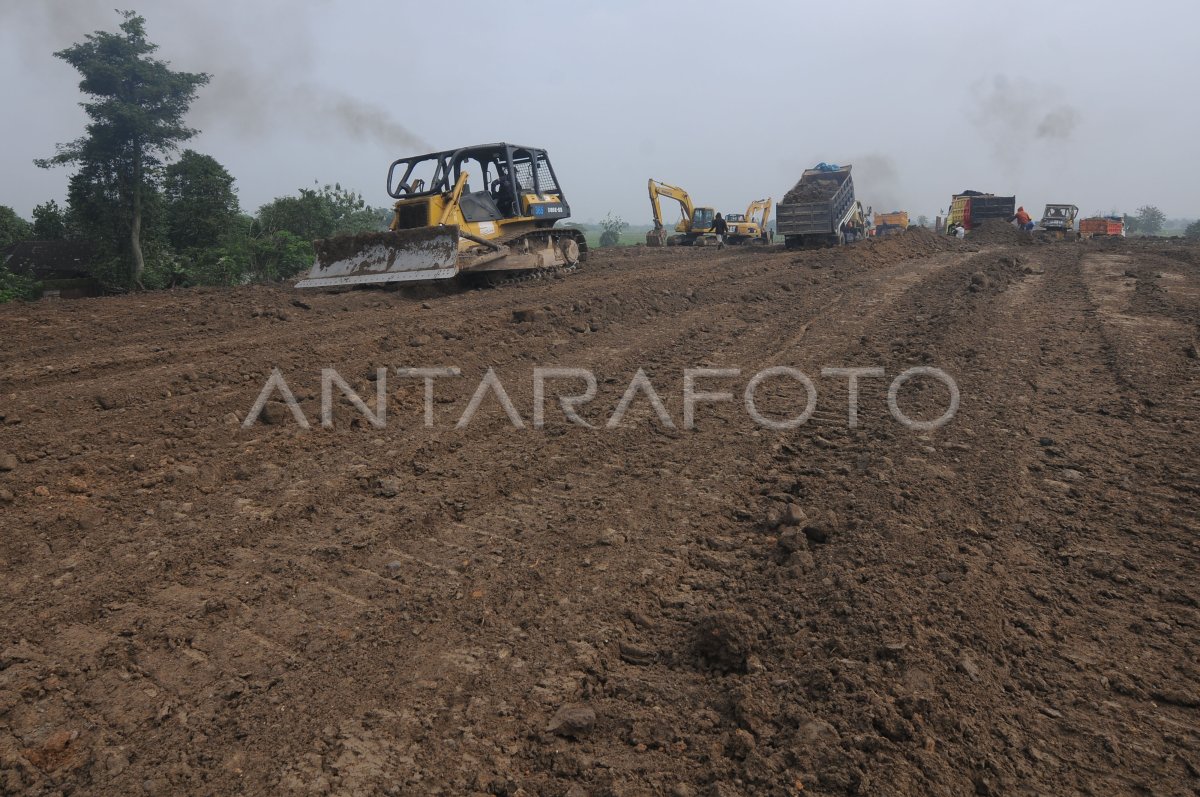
(514, 182)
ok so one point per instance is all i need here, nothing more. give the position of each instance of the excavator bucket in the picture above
(427, 253)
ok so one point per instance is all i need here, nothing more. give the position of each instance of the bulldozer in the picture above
(487, 211)
(750, 227)
(695, 227)
(1058, 222)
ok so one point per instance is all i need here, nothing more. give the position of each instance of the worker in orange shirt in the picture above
(1023, 220)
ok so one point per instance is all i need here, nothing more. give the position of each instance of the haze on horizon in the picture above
(1059, 103)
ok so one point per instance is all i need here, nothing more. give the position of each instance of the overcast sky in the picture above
(1092, 103)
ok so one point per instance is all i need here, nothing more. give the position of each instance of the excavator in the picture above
(695, 227)
(744, 228)
(487, 211)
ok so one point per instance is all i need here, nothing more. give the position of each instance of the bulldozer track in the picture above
(501, 278)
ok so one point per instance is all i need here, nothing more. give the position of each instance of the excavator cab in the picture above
(488, 208)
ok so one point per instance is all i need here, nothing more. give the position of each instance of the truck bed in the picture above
(817, 216)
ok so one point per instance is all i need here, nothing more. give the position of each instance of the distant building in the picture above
(63, 267)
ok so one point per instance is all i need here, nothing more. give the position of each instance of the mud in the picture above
(1004, 605)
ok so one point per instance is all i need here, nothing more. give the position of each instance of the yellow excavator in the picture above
(486, 210)
(695, 227)
(750, 227)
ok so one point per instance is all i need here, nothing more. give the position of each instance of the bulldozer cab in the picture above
(504, 181)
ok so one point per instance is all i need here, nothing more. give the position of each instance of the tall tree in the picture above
(49, 222)
(135, 111)
(1150, 220)
(202, 204)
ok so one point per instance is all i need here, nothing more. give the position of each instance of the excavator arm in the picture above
(763, 205)
(659, 189)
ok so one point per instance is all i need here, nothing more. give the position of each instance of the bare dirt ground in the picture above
(1005, 605)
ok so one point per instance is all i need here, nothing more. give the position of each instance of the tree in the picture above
(922, 221)
(135, 111)
(612, 227)
(49, 222)
(314, 214)
(201, 202)
(13, 228)
(1150, 220)
(1193, 230)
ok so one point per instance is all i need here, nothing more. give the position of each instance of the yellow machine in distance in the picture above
(488, 210)
(750, 227)
(695, 227)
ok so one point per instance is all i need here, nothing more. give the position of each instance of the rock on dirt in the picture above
(573, 720)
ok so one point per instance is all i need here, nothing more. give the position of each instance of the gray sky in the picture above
(1085, 102)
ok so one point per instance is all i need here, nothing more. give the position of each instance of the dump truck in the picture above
(488, 210)
(891, 223)
(1058, 221)
(1102, 227)
(972, 208)
(819, 208)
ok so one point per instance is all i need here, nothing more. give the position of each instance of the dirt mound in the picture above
(915, 242)
(995, 231)
(812, 191)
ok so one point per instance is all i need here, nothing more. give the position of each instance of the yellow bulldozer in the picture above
(487, 210)
(695, 227)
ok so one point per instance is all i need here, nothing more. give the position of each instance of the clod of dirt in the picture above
(6, 496)
(8, 462)
(388, 486)
(725, 640)
(741, 744)
(572, 720)
(636, 654)
(523, 316)
(273, 413)
(817, 532)
(791, 541)
(106, 402)
(791, 515)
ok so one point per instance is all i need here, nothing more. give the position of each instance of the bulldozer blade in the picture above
(428, 253)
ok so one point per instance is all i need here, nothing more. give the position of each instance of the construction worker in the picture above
(719, 227)
(1024, 221)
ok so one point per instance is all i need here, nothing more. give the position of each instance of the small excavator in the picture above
(486, 210)
(744, 228)
(695, 227)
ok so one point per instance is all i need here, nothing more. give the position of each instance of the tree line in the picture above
(156, 217)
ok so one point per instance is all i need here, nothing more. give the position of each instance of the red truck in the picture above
(1102, 227)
